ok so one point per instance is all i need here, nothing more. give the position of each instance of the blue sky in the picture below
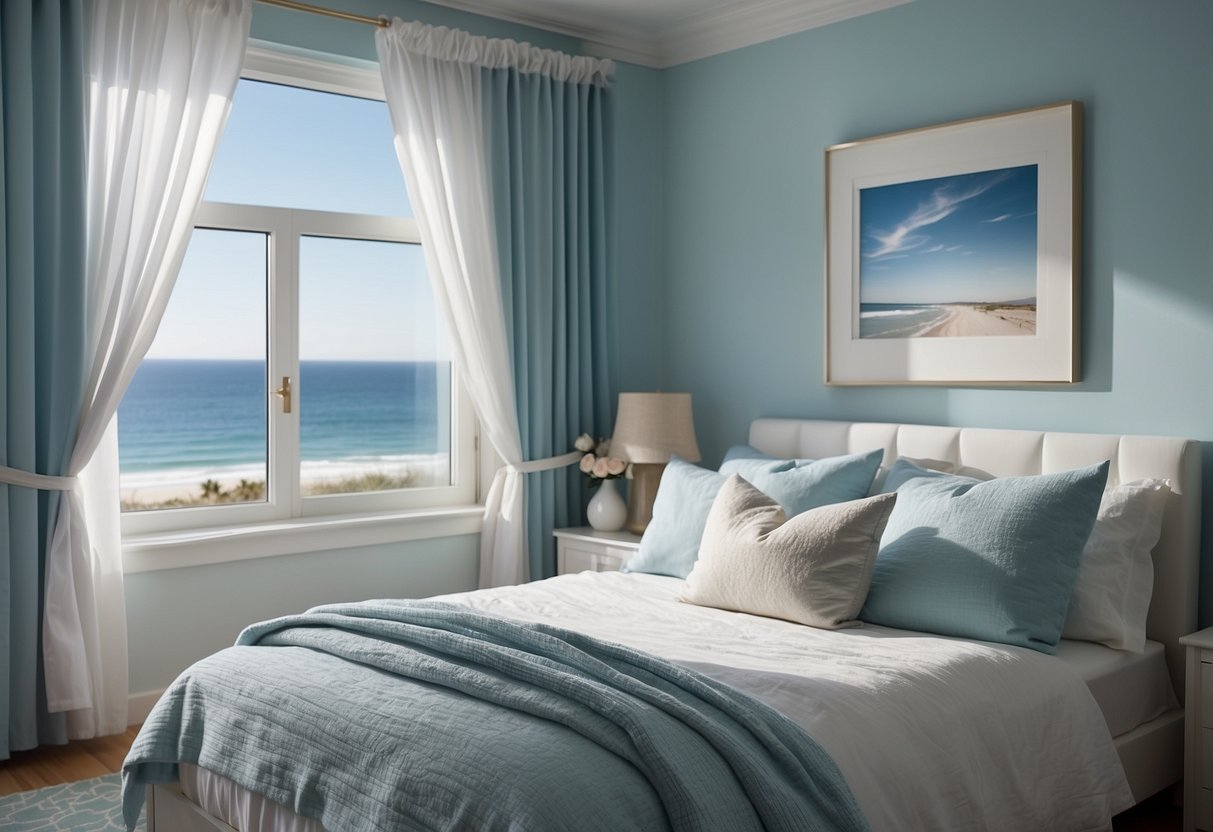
(359, 300)
(956, 239)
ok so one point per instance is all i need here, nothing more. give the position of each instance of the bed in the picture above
(1113, 716)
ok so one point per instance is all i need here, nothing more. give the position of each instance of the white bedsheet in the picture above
(930, 732)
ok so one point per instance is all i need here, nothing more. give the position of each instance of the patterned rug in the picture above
(85, 806)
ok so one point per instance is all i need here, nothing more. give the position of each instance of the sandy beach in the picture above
(155, 488)
(968, 319)
(154, 494)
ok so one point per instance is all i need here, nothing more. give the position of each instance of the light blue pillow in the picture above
(670, 545)
(904, 470)
(994, 561)
(803, 484)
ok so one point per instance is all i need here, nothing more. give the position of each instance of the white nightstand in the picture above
(585, 549)
(1198, 732)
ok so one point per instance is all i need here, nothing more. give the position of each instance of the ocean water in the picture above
(898, 320)
(184, 421)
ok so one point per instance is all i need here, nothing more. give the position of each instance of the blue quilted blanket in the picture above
(424, 715)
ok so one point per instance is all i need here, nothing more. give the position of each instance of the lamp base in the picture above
(642, 490)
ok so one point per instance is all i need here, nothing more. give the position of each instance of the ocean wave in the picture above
(896, 313)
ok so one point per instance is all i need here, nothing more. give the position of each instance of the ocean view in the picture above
(183, 422)
(947, 320)
(898, 320)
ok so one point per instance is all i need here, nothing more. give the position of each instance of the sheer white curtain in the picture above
(433, 77)
(162, 75)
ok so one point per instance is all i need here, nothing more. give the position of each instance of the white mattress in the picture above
(763, 656)
(1130, 688)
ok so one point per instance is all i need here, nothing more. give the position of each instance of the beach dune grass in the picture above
(211, 492)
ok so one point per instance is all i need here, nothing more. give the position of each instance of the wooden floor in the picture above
(53, 765)
(1161, 813)
(56, 764)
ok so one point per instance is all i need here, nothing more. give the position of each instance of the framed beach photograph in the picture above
(952, 253)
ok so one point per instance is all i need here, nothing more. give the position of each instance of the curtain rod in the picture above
(381, 22)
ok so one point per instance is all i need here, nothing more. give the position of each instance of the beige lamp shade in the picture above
(650, 427)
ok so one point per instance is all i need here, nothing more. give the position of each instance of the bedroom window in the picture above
(300, 368)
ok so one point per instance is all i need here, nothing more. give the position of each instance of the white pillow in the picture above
(814, 569)
(1116, 573)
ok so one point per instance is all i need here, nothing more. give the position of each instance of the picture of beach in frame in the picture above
(950, 257)
(952, 252)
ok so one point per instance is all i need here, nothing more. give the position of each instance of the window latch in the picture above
(284, 393)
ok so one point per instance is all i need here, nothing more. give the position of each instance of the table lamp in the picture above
(649, 429)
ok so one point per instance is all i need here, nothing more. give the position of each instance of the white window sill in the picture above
(200, 547)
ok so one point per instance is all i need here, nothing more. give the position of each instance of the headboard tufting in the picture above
(1007, 453)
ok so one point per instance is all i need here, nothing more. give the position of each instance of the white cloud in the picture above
(941, 204)
(999, 218)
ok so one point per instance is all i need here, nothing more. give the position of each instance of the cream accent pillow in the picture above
(814, 569)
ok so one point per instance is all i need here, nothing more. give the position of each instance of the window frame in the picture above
(284, 228)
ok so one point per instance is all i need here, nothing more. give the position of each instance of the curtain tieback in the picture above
(40, 482)
(549, 464)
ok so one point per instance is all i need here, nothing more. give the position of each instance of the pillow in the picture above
(1116, 570)
(680, 510)
(802, 484)
(671, 541)
(1116, 573)
(994, 561)
(905, 468)
(745, 452)
(813, 569)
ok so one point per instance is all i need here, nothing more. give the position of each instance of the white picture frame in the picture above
(934, 238)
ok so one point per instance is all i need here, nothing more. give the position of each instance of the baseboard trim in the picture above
(139, 705)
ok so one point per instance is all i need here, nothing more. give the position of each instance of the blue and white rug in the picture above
(84, 806)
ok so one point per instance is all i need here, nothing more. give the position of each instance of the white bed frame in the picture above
(1152, 754)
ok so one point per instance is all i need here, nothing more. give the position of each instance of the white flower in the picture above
(615, 466)
(600, 469)
(587, 463)
(584, 443)
(604, 446)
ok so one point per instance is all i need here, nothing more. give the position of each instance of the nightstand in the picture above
(1198, 732)
(585, 549)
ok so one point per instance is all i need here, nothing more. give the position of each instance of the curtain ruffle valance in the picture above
(446, 44)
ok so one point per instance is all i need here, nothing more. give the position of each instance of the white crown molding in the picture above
(710, 32)
(745, 23)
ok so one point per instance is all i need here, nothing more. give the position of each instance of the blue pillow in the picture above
(670, 545)
(903, 471)
(802, 484)
(994, 561)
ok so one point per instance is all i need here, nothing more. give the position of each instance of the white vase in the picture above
(607, 510)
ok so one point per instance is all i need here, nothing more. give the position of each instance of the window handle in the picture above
(284, 393)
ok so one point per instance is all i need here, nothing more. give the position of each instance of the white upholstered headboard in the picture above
(1007, 453)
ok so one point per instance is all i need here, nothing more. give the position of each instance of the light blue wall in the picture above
(743, 207)
(177, 617)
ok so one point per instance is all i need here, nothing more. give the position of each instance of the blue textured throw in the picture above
(424, 715)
